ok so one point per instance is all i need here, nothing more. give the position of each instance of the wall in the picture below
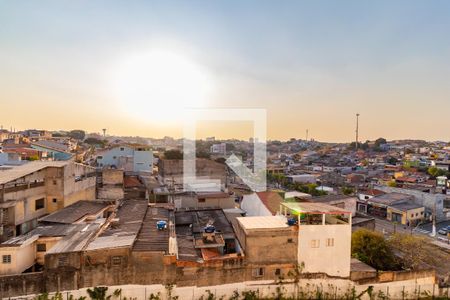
(335, 260)
(270, 246)
(143, 161)
(22, 284)
(307, 288)
(112, 177)
(22, 258)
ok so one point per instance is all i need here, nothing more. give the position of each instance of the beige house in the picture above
(406, 213)
(27, 252)
(32, 190)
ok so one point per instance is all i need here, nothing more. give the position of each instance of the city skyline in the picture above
(312, 66)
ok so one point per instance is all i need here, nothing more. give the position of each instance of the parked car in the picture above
(444, 230)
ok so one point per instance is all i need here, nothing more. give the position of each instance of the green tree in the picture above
(95, 141)
(77, 134)
(346, 190)
(436, 172)
(371, 248)
(173, 154)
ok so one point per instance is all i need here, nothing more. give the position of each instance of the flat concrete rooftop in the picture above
(263, 222)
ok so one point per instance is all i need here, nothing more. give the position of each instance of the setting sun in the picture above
(147, 85)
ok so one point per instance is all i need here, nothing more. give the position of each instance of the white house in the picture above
(128, 158)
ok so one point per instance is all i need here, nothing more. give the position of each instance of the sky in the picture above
(133, 66)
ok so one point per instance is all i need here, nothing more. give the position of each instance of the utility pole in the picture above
(307, 131)
(357, 131)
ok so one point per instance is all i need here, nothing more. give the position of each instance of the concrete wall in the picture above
(112, 177)
(143, 160)
(269, 246)
(332, 260)
(306, 288)
(22, 258)
(23, 284)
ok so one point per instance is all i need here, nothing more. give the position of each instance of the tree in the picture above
(436, 172)
(220, 160)
(392, 160)
(173, 154)
(371, 248)
(392, 183)
(202, 154)
(412, 250)
(77, 134)
(346, 190)
(95, 141)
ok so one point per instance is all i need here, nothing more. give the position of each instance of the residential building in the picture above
(130, 158)
(26, 252)
(409, 214)
(219, 149)
(324, 235)
(32, 190)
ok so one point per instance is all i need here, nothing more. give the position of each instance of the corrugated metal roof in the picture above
(75, 212)
(28, 168)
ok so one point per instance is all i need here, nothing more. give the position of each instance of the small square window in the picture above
(122, 149)
(39, 204)
(41, 247)
(201, 200)
(116, 260)
(290, 240)
(277, 272)
(54, 182)
(258, 272)
(330, 242)
(315, 243)
(55, 200)
(6, 259)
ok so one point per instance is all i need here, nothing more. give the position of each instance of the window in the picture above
(201, 200)
(122, 149)
(277, 272)
(55, 200)
(54, 182)
(41, 247)
(6, 259)
(421, 212)
(258, 272)
(39, 204)
(315, 243)
(330, 242)
(290, 241)
(99, 157)
(116, 260)
(62, 261)
(114, 157)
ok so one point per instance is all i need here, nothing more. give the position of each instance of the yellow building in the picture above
(405, 213)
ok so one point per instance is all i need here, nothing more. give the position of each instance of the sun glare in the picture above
(158, 85)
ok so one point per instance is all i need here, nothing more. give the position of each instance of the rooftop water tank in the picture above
(161, 225)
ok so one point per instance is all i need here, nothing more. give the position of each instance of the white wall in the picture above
(335, 260)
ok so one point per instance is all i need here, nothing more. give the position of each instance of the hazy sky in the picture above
(311, 64)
